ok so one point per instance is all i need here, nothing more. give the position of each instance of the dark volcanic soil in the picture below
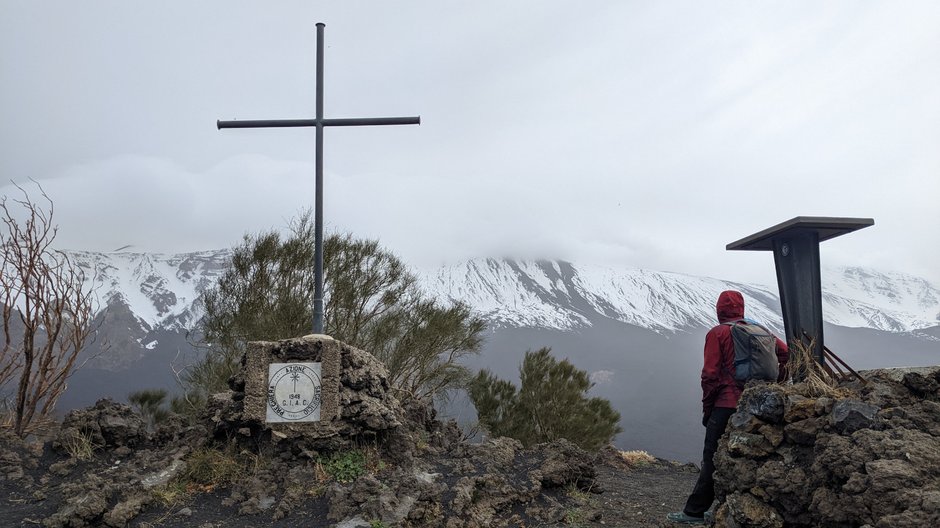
(642, 496)
(33, 483)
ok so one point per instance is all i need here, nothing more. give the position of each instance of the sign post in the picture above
(795, 244)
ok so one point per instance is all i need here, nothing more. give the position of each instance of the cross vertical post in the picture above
(319, 122)
(318, 218)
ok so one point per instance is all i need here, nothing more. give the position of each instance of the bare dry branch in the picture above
(46, 311)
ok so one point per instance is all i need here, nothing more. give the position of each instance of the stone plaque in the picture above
(294, 392)
(269, 385)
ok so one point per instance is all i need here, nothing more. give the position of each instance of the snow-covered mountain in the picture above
(158, 292)
(863, 298)
(561, 295)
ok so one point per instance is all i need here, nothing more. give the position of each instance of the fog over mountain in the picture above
(638, 332)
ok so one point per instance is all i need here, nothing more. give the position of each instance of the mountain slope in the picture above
(561, 295)
(160, 291)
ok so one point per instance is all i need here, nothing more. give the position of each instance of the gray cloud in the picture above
(627, 134)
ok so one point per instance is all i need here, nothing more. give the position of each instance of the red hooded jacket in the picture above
(719, 388)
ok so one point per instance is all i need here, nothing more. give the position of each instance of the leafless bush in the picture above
(46, 312)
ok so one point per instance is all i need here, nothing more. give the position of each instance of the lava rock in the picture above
(892, 474)
(163, 476)
(748, 445)
(743, 509)
(745, 421)
(766, 402)
(803, 432)
(798, 408)
(921, 385)
(773, 434)
(849, 416)
(124, 511)
(564, 463)
(107, 424)
(864, 455)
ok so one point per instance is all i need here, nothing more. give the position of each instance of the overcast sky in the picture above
(635, 134)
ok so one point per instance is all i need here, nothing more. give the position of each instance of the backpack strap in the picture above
(755, 323)
(723, 368)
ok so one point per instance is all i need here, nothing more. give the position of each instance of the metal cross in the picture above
(319, 122)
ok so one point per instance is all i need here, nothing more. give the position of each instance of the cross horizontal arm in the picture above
(366, 121)
(343, 121)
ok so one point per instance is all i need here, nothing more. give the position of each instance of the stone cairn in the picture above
(860, 455)
(435, 478)
(353, 402)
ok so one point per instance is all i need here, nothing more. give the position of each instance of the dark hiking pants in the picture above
(704, 493)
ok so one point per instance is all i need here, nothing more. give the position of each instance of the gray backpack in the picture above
(755, 352)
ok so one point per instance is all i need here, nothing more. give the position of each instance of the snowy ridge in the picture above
(160, 291)
(858, 297)
(561, 295)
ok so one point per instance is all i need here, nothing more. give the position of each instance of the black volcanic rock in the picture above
(849, 416)
(107, 424)
(766, 404)
(866, 455)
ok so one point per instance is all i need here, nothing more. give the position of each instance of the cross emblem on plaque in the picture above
(319, 122)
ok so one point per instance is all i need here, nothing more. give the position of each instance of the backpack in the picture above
(755, 352)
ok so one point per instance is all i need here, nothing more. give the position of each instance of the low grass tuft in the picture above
(635, 459)
(171, 494)
(207, 469)
(582, 502)
(575, 517)
(577, 495)
(211, 467)
(79, 445)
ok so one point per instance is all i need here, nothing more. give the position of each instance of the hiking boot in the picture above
(682, 518)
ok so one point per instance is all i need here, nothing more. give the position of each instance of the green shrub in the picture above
(373, 303)
(344, 466)
(551, 403)
(150, 404)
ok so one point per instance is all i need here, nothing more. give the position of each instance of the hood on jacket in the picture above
(730, 306)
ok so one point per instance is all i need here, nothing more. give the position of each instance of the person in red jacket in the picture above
(720, 393)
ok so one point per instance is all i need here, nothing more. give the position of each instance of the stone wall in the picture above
(862, 455)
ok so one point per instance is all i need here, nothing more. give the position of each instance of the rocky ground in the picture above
(380, 463)
(168, 478)
(860, 455)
